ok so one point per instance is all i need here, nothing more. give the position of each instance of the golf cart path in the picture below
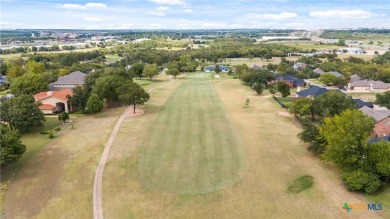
(97, 184)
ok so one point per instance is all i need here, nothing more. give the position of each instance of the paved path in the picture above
(97, 184)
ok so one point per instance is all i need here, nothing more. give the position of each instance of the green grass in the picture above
(301, 184)
(182, 153)
(112, 58)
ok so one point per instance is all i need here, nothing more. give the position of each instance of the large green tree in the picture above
(21, 112)
(347, 135)
(28, 84)
(332, 103)
(284, 89)
(150, 70)
(379, 157)
(137, 69)
(132, 94)
(11, 148)
(383, 99)
(106, 88)
(328, 78)
(173, 71)
(94, 104)
(79, 98)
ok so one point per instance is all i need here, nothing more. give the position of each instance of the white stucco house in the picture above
(54, 101)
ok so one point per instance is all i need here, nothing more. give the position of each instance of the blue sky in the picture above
(195, 14)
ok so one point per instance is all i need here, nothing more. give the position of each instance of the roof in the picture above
(362, 103)
(256, 67)
(46, 107)
(76, 77)
(211, 68)
(355, 77)
(335, 73)
(286, 78)
(61, 94)
(312, 92)
(378, 115)
(367, 83)
(318, 71)
(375, 140)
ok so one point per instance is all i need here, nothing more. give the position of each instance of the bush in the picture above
(359, 180)
(51, 134)
(44, 132)
(57, 129)
(300, 184)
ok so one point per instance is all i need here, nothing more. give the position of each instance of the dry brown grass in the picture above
(275, 156)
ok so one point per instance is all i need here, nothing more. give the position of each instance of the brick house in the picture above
(54, 101)
(382, 119)
(291, 81)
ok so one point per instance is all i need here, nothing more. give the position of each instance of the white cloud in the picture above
(168, 2)
(342, 14)
(157, 13)
(280, 16)
(188, 11)
(89, 5)
(163, 8)
(94, 19)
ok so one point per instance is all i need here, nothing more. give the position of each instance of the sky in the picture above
(194, 14)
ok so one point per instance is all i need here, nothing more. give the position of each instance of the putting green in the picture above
(192, 146)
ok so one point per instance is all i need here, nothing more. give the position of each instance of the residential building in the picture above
(71, 80)
(336, 73)
(312, 92)
(361, 103)
(211, 68)
(382, 119)
(354, 78)
(291, 81)
(54, 101)
(369, 85)
(318, 71)
(351, 50)
(298, 65)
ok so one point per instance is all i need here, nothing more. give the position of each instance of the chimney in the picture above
(49, 93)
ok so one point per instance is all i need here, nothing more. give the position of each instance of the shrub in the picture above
(300, 184)
(51, 134)
(57, 129)
(43, 132)
(359, 180)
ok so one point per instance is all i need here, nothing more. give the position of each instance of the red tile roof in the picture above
(46, 106)
(61, 94)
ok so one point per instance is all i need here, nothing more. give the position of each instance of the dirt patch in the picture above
(284, 113)
(138, 112)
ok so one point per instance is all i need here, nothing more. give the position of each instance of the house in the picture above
(375, 140)
(298, 65)
(291, 81)
(54, 101)
(382, 119)
(318, 71)
(3, 80)
(360, 103)
(312, 92)
(71, 80)
(255, 67)
(336, 73)
(212, 68)
(351, 50)
(364, 85)
(354, 78)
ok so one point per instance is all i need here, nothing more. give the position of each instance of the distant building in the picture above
(360, 103)
(298, 65)
(211, 68)
(256, 67)
(318, 71)
(354, 78)
(291, 81)
(312, 92)
(336, 73)
(351, 50)
(71, 80)
(369, 85)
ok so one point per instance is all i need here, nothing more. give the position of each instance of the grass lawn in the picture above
(257, 61)
(112, 58)
(153, 168)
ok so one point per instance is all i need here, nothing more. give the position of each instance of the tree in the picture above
(11, 148)
(94, 104)
(106, 87)
(173, 71)
(137, 69)
(79, 98)
(35, 67)
(302, 107)
(361, 180)
(332, 103)
(383, 99)
(217, 69)
(150, 70)
(341, 42)
(347, 135)
(28, 84)
(258, 87)
(268, 56)
(284, 89)
(21, 112)
(379, 157)
(328, 78)
(132, 94)
(63, 117)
